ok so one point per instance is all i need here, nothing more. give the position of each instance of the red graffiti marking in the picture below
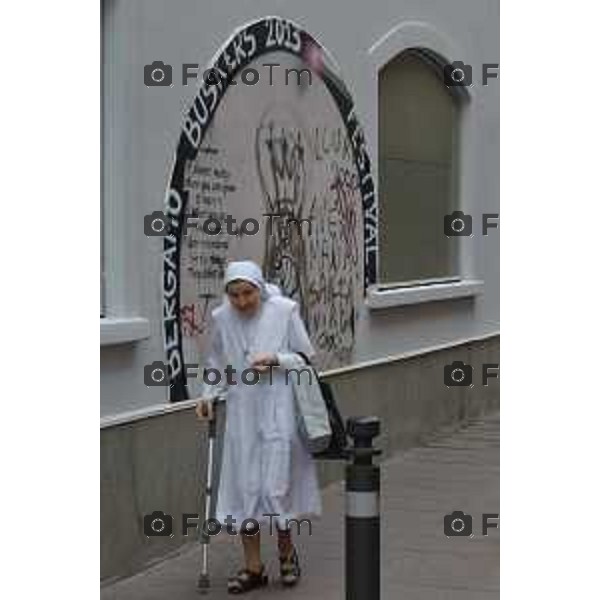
(190, 323)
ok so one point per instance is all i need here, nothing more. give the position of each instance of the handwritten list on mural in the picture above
(205, 253)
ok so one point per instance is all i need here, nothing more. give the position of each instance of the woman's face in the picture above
(244, 296)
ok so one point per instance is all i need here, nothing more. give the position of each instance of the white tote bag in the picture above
(311, 412)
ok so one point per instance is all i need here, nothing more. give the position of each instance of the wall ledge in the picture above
(123, 331)
(158, 410)
(380, 297)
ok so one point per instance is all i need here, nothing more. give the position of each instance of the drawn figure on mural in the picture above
(307, 175)
(281, 165)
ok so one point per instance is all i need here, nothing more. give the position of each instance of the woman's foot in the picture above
(246, 581)
(289, 567)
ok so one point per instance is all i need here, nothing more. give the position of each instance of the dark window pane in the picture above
(418, 120)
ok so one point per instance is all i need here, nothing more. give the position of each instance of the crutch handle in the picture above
(205, 409)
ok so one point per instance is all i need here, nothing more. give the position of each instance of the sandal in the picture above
(246, 580)
(290, 569)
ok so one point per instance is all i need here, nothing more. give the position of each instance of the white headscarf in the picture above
(249, 271)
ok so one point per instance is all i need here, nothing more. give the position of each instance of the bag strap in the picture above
(305, 358)
(309, 364)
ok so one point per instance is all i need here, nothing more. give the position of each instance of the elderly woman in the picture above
(266, 469)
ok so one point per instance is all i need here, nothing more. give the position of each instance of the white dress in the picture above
(266, 469)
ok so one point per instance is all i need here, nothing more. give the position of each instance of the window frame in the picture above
(431, 46)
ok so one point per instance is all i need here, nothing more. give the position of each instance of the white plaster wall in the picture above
(144, 125)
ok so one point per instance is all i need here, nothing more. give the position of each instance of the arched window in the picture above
(418, 167)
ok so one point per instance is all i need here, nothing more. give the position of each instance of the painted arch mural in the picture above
(280, 145)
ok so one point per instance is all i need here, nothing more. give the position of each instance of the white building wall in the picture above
(144, 124)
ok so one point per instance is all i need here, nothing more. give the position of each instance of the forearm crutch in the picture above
(209, 491)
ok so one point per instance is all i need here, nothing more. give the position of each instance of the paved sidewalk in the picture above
(454, 471)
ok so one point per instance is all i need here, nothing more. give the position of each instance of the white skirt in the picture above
(267, 474)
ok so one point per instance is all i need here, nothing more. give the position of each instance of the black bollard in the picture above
(362, 512)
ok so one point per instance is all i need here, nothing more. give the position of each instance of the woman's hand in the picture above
(262, 361)
(204, 409)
